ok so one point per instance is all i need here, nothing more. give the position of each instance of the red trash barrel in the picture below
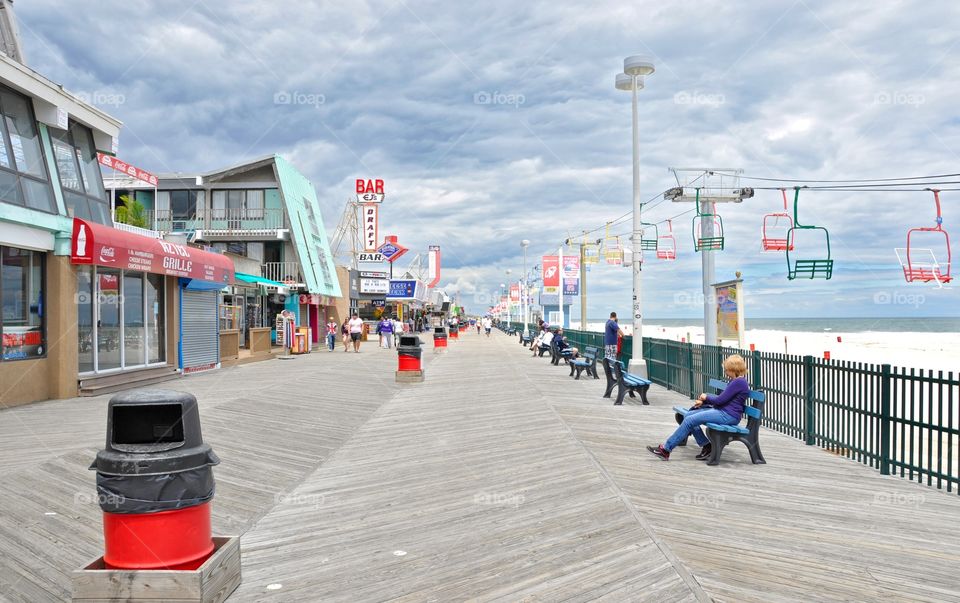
(155, 482)
(439, 337)
(409, 353)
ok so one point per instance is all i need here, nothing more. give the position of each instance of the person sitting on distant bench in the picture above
(563, 344)
(726, 408)
(542, 341)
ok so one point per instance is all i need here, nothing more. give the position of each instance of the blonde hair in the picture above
(736, 365)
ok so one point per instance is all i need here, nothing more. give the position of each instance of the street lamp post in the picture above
(524, 305)
(634, 70)
(502, 286)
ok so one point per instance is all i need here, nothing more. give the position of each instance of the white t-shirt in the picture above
(356, 325)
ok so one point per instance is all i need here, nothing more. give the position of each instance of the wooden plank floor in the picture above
(498, 479)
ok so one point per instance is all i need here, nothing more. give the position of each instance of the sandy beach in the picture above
(939, 351)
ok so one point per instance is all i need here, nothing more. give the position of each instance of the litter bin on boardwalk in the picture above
(155, 482)
(408, 359)
(454, 332)
(409, 353)
(439, 338)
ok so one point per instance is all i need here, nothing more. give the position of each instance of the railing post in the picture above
(693, 391)
(757, 377)
(885, 387)
(808, 388)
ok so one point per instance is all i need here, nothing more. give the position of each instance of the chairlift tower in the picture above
(347, 238)
(706, 187)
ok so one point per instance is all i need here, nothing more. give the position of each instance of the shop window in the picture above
(23, 174)
(21, 294)
(80, 179)
(237, 204)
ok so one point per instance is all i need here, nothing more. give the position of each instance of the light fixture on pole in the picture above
(524, 304)
(635, 68)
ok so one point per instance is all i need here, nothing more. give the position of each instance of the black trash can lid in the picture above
(151, 432)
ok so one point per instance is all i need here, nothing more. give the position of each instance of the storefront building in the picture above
(48, 174)
(264, 211)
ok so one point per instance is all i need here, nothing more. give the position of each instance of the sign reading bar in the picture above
(371, 258)
(369, 191)
(126, 168)
(371, 226)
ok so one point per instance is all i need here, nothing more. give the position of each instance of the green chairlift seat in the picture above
(806, 267)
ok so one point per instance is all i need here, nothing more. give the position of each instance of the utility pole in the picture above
(583, 287)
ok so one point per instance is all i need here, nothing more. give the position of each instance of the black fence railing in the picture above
(900, 421)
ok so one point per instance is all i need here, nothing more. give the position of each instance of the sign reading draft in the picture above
(371, 226)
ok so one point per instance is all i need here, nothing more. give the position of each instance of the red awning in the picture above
(106, 246)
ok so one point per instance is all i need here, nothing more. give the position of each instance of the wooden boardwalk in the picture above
(498, 479)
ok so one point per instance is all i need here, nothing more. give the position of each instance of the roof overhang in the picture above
(53, 105)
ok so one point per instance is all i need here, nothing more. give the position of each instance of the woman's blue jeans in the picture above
(691, 426)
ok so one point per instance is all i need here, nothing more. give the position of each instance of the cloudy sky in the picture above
(497, 121)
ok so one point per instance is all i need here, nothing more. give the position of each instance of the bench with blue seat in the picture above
(557, 354)
(721, 435)
(586, 362)
(626, 383)
(525, 338)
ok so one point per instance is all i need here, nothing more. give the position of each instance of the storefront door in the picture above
(108, 319)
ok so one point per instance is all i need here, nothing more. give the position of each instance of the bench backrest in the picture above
(591, 352)
(754, 409)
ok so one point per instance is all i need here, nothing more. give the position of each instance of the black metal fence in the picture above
(900, 421)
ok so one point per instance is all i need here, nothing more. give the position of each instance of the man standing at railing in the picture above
(611, 335)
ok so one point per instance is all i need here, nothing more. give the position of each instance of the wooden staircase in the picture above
(105, 384)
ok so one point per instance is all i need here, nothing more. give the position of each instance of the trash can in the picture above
(454, 332)
(439, 337)
(155, 482)
(409, 353)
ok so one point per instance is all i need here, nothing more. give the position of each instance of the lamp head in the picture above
(638, 65)
(625, 82)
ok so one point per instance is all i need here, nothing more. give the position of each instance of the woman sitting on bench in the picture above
(725, 408)
(564, 345)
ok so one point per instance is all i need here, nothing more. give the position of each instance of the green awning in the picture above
(256, 280)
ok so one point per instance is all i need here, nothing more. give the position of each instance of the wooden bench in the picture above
(625, 382)
(721, 435)
(586, 362)
(525, 338)
(557, 354)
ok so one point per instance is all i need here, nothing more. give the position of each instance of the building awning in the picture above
(106, 246)
(257, 280)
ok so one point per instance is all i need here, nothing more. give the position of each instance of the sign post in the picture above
(728, 308)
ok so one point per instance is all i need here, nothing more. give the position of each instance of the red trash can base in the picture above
(176, 540)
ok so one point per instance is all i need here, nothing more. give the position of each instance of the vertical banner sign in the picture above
(571, 275)
(433, 266)
(514, 293)
(551, 274)
(371, 236)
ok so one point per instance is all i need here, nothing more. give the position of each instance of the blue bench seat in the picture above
(721, 435)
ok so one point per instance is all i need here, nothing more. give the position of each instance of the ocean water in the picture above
(911, 324)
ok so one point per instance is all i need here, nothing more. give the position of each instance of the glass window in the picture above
(163, 202)
(66, 159)
(10, 189)
(37, 194)
(4, 154)
(85, 318)
(22, 130)
(156, 344)
(21, 294)
(183, 204)
(134, 332)
(87, 158)
(108, 319)
(237, 247)
(79, 172)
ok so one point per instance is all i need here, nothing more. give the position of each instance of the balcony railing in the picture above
(146, 232)
(286, 272)
(220, 221)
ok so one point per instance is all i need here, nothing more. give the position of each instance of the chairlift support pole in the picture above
(708, 269)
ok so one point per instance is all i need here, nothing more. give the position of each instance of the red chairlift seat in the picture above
(771, 239)
(920, 264)
(667, 244)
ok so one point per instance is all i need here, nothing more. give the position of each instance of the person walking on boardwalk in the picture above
(385, 330)
(332, 329)
(345, 334)
(611, 334)
(487, 325)
(356, 331)
(726, 408)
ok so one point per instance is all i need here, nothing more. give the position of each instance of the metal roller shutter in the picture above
(199, 337)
